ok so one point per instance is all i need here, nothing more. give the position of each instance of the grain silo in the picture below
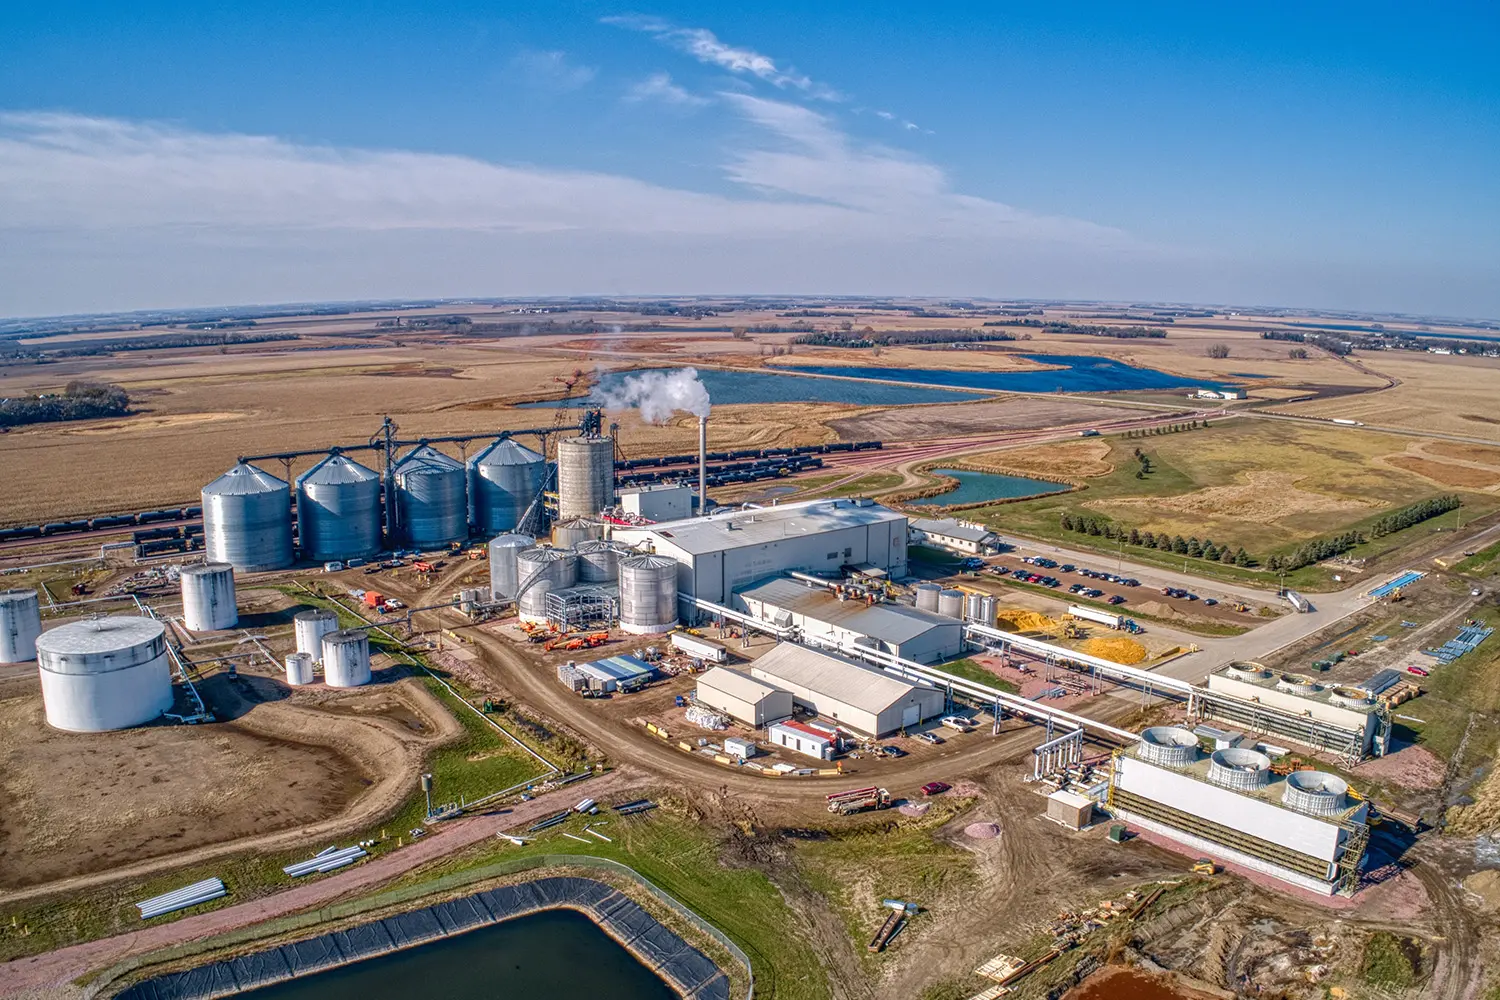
(598, 561)
(541, 571)
(20, 624)
(208, 597)
(503, 550)
(247, 520)
(299, 669)
(927, 597)
(504, 480)
(585, 476)
(431, 498)
(346, 658)
(310, 628)
(104, 673)
(648, 594)
(338, 510)
(569, 532)
(951, 603)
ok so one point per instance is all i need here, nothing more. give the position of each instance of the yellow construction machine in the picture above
(1204, 866)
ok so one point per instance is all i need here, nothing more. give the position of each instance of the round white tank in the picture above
(299, 669)
(585, 476)
(598, 561)
(1169, 746)
(20, 624)
(503, 549)
(648, 594)
(1315, 793)
(542, 570)
(103, 674)
(927, 597)
(208, 597)
(987, 610)
(310, 628)
(1240, 769)
(346, 658)
(951, 603)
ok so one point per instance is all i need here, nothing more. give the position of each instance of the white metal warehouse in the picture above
(866, 701)
(953, 534)
(721, 552)
(825, 619)
(743, 698)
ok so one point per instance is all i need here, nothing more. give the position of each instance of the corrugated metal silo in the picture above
(598, 561)
(951, 603)
(542, 570)
(247, 520)
(105, 673)
(503, 481)
(431, 498)
(338, 510)
(569, 532)
(648, 594)
(585, 476)
(208, 597)
(20, 624)
(503, 550)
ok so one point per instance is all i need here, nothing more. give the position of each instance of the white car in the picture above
(932, 738)
(958, 722)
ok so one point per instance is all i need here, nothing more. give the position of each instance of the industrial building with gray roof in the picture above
(865, 701)
(821, 615)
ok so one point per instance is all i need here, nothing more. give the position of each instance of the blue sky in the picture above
(181, 154)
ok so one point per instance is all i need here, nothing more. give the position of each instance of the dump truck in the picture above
(857, 800)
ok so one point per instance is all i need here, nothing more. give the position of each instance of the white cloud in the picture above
(706, 47)
(886, 115)
(553, 70)
(659, 87)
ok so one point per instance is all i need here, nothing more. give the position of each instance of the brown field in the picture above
(1083, 459)
(1260, 497)
(938, 420)
(1448, 474)
(1439, 394)
(1464, 452)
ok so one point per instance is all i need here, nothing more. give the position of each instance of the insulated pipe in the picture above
(702, 465)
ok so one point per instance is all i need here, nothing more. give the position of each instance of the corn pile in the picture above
(1120, 650)
(1026, 620)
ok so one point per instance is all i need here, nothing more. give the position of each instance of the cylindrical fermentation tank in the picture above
(338, 510)
(542, 570)
(927, 597)
(987, 610)
(346, 658)
(598, 561)
(1169, 746)
(585, 476)
(569, 532)
(648, 594)
(105, 673)
(310, 627)
(247, 520)
(208, 597)
(951, 603)
(504, 480)
(431, 498)
(503, 578)
(299, 669)
(973, 607)
(20, 624)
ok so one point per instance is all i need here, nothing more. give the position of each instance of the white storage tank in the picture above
(346, 658)
(105, 673)
(20, 624)
(648, 594)
(208, 597)
(572, 531)
(585, 476)
(338, 510)
(927, 597)
(310, 627)
(247, 520)
(503, 578)
(299, 669)
(598, 561)
(504, 479)
(951, 603)
(431, 498)
(542, 570)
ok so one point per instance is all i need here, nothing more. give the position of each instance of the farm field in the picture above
(1438, 395)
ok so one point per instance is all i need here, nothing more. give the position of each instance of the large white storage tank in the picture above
(103, 674)
(20, 624)
(247, 520)
(208, 597)
(431, 498)
(346, 658)
(504, 479)
(648, 594)
(310, 627)
(542, 570)
(503, 573)
(338, 510)
(585, 476)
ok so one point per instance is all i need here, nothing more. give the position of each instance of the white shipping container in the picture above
(710, 652)
(1102, 617)
(734, 746)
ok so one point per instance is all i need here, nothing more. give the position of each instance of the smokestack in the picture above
(702, 465)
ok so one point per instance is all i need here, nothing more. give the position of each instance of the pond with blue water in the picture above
(982, 487)
(1076, 373)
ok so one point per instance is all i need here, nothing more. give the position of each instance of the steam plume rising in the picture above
(659, 394)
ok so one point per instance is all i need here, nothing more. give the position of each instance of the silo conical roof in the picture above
(427, 459)
(337, 469)
(508, 451)
(244, 480)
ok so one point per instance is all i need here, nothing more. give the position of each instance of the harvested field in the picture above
(1438, 394)
(1083, 459)
(938, 420)
(1476, 453)
(1447, 473)
(1259, 498)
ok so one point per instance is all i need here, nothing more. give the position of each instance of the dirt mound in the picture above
(982, 831)
(914, 808)
(1485, 885)
(1025, 620)
(1119, 650)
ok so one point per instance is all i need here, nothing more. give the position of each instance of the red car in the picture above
(935, 788)
(1419, 671)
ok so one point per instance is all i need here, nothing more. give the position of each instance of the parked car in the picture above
(1210, 601)
(1068, 567)
(1116, 599)
(891, 751)
(935, 788)
(958, 722)
(932, 738)
(1419, 671)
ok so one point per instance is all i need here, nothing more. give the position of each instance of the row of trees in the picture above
(1117, 332)
(869, 337)
(1139, 432)
(1316, 551)
(91, 348)
(1193, 548)
(1416, 513)
(79, 401)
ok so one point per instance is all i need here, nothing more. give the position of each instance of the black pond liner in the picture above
(690, 972)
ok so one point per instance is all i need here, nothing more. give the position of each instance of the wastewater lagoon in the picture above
(983, 487)
(1077, 373)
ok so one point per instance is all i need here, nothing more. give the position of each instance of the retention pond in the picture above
(980, 487)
